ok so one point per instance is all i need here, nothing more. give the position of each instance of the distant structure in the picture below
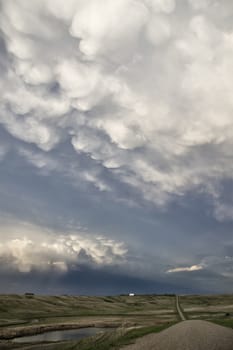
(29, 294)
(131, 294)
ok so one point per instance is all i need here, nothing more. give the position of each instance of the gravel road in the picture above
(187, 335)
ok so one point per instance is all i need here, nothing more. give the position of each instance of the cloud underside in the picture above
(106, 106)
(27, 247)
(90, 262)
(147, 99)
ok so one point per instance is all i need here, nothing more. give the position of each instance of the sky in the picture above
(116, 146)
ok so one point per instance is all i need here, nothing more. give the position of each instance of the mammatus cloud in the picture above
(26, 247)
(114, 102)
(148, 102)
(186, 269)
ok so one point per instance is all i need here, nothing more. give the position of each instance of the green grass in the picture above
(108, 341)
(132, 335)
(146, 313)
(224, 322)
(18, 309)
(206, 300)
(209, 307)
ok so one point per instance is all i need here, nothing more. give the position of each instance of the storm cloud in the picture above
(116, 136)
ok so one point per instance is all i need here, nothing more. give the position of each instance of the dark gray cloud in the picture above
(98, 282)
(104, 281)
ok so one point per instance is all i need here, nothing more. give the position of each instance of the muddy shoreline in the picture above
(10, 333)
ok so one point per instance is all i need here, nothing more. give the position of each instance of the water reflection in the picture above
(62, 335)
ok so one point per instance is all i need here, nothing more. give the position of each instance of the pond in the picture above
(71, 334)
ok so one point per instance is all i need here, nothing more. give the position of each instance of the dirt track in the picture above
(179, 310)
(187, 335)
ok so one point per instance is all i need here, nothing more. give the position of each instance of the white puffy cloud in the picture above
(164, 6)
(39, 160)
(25, 247)
(83, 84)
(108, 27)
(158, 30)
(186, 269)
(34, 74)
(220, 265)
(32, 131)
(200, 4)
(142, 88)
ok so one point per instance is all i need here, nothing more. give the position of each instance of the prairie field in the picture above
(215, 308)
(129, 317)
(126, 318)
